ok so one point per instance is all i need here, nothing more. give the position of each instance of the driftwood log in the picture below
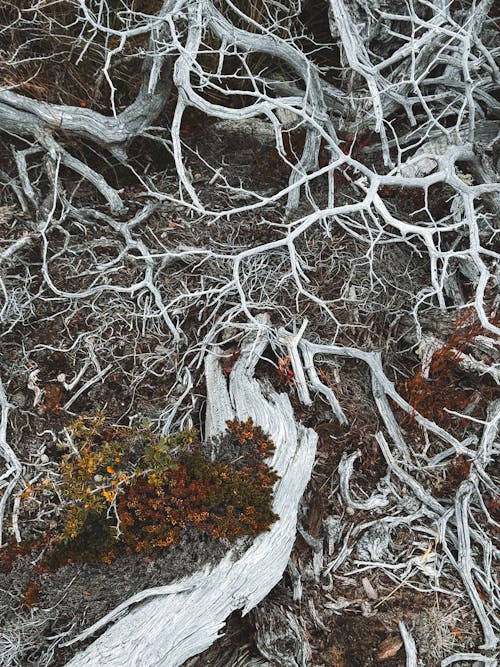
(167, 625)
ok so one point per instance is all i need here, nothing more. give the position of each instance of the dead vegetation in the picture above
(169, 173)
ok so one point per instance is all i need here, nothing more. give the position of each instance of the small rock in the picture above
(369, 590)
(366, 609)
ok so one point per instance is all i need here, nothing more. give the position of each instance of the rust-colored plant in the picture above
(284, 371)
(128, 487)
(456, 472)
(218, 498)
(31, 594)
(446, 386)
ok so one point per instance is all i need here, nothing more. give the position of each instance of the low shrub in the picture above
(129, 489)
(447, 387)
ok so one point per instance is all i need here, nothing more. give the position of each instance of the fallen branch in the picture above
(179, 623)
(13, 465)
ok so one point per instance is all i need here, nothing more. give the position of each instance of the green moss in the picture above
(159, 454)
(94, 541)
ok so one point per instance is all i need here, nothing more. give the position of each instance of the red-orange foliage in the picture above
(171, 485)
(216, 498)
(447, 386)
(456, 472)
(284, 371)
(494, 508)
(31, 594)
(10, 553)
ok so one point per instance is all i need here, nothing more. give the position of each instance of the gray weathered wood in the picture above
(183, 619)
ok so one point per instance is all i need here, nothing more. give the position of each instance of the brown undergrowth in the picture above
(446, 387)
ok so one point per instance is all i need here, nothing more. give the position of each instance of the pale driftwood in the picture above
(181, 620)
(13, 465)
(475, 658)
(409, 643)
(346, 468)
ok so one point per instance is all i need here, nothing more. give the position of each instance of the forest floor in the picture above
(347, 616)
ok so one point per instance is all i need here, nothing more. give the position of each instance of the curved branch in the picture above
(179, 622)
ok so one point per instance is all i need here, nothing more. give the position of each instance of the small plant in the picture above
(457, 471)
(31, 594)
(11, 552)
(217, 498)
(160, 453)
(284, 371)
(442, 388)
(128, 488)
(92, 475)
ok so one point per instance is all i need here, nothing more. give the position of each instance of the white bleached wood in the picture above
(181, 620)
(13, 464)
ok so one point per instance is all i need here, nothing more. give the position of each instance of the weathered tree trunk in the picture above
(169, 624)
